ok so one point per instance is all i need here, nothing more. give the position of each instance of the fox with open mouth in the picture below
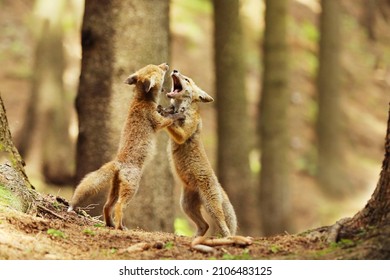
(188, 157)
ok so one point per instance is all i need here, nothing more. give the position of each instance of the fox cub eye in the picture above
(187, 80)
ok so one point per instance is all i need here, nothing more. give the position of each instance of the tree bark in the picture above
(273, 130)
(96, 142)
(377, 210)
(234, 135)
(331, 176)
(15, 188)
(118, 38)
(370, 227)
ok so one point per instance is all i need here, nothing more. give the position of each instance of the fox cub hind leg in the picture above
(215, 206)
(191, 205)
(213, 203)
(124, 187)
(111, 200)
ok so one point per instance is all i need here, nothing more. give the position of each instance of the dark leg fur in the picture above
(191, 204)
(111, 200)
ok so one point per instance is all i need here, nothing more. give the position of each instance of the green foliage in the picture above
(88, 231)
(56, 233)
(310, 32)
(99, 225)
(334, 246)
(243, 256)
(185, 16)
(254, 161)
(56, 205)
(169, 245)
(307, 36)
(275, 249)
(343, 243)
(182, 227)
(307, 162)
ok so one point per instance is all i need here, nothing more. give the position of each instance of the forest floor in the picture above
(53, 233)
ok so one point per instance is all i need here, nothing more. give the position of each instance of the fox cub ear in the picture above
(149, 84)
(204, 97)
(132, 79)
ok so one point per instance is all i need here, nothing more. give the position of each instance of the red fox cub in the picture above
(136, 144)
(200, 184)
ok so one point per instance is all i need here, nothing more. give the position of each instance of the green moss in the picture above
(275, 249)
(243, 256)
(169, 245)
(55, 233)
(8, 198)
(89, 232)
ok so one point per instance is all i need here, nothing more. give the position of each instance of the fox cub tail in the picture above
(92, 184)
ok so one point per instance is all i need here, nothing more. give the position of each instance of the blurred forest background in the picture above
(296, 132)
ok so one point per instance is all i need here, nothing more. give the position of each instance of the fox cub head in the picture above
(149, 79)
(185, 90)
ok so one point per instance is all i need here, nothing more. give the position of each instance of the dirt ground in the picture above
(53, 233)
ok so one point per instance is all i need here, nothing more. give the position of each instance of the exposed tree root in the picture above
(334, 230)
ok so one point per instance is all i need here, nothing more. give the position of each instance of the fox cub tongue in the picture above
(172, 94)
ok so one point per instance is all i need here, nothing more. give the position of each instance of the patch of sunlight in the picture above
(182, 227)
(254, 161)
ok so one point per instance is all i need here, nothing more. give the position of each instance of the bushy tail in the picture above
(92, 184)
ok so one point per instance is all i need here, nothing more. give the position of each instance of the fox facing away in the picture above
(124, 172)
(189, 159)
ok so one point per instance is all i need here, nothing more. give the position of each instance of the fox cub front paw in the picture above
(165, 112)
(169, 112)
(178, 116)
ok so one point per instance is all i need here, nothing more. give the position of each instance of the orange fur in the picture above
(124, 172)
(189, 159)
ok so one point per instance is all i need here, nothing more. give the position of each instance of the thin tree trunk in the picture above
(273, 129)
(45, 141)
(234, 135)
(329, 130)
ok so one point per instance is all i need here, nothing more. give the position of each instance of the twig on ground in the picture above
(50, 211)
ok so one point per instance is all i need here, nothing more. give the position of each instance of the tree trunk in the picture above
(329, 130)
(45, 140)
(370, 227)
(377, 210)
(273, 121)
(96, 142)
(15, 189)
(118, 38)
(234, 135)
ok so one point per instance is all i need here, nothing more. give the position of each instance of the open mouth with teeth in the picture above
(176, 86)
